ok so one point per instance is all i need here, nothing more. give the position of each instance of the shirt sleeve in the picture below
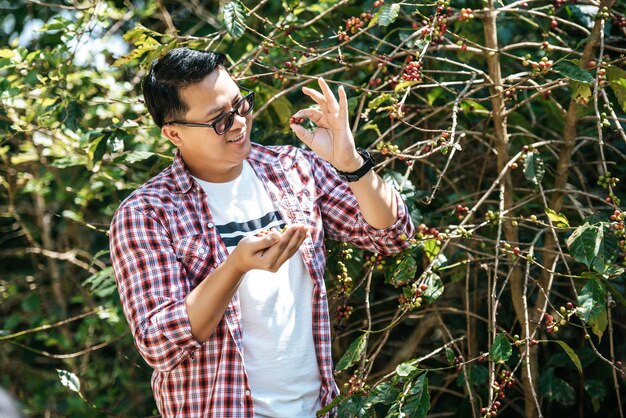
(343, 220)
(152, 287)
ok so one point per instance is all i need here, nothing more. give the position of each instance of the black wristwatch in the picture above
(368, 164)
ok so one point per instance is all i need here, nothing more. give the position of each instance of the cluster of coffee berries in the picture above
(466, 14)
(377, 261)
(395, 110)
(554, 24)
(617, 225)
(356, 385)
(343, 312)
(291, 65)
(343, 278)
(505, 381)
(295, 120)
(343, 36)
(604, 120)
(619, 21)
(412, 71)
(387, 148)
(461, 211)
(411, 298)
(491, 411)
(441, 25)
(551, 325)
(425, 232)
(374, 81)
(353, 24)
(492, 217)
(441, 6)
(612, 198)
(510, 93)
(378, 3)
(603, 14)
(566, 312)
(543, 66)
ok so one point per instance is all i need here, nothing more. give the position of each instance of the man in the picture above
(233, 318)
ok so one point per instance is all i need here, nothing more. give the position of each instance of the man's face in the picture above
(209, 156)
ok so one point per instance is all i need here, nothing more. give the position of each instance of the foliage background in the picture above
(507, 233)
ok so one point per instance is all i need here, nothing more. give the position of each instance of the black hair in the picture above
(180, 67)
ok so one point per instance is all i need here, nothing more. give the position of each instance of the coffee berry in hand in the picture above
(295, 120)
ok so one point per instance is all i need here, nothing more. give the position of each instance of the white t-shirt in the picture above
(276, 308)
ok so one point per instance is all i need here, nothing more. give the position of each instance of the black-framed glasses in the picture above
(224, 122)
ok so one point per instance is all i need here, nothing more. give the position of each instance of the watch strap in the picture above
(368, 164)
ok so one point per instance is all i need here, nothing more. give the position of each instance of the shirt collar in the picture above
(180, 174)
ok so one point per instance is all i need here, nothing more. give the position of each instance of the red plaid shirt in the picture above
(164, 242)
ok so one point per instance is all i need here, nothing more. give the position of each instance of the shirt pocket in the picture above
(194, 253)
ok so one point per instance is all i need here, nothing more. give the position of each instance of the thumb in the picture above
(303, 134)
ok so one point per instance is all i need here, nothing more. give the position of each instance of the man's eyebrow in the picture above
(220, 109)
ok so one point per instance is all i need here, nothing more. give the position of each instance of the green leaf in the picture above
(7, 53)
(418, 404)
(573, 72)
(581, 92)
(352, 354)
(435, 288)
(556, 389)
(384, 393)
(69, 380)
(501, 349)
(388, 14)
(433, 94)
(586, 245)
(478, 375)
(617, 80)
(379, 100)
(136, 156)
(557, 218)
(235, 19)
(403, 269)
(599, 323)
(404, 84)
(592, 307)
(595, 388)
(534, 168)
(590, 300)
(431, 248)
(354, 406)
(405, 369)
(572, 355)
(614, 291)
(336, 401)
(450, 356)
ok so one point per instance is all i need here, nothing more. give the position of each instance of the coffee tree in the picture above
(501, 124)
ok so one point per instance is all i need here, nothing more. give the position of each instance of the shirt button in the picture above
(201, 250)
(215, 265)
(210, 225)
(248, 393)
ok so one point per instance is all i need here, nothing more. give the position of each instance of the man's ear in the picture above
(172, 133)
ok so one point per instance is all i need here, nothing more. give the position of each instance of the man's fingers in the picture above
(328, 94)
(343, 105)
(314, 114)
(317, 97)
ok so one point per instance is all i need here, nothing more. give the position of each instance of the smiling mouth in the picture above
(238, 138)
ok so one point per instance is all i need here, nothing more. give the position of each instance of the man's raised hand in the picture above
(332, 140)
